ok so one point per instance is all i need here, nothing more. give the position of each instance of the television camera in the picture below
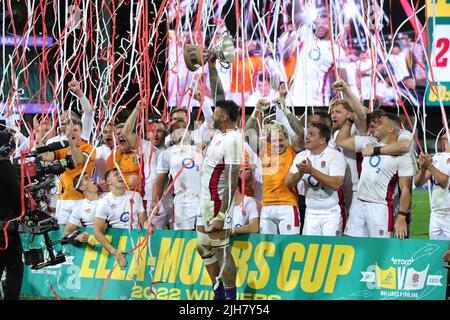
(39, 179)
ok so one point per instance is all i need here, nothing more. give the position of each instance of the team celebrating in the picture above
(346, 172)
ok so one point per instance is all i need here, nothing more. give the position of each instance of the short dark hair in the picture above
(326, 116)
(375, 115)
(394, 118)
(324, 130)
(230, 107)
(107, 174)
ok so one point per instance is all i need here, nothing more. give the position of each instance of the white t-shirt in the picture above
(331, 163)
(224, 148)
(379, 174)
(314, 64)
(242, 217)
(186, 185)
(151, 156)
(440, 196)
(102, 153)
(117, 210)
(84, 213)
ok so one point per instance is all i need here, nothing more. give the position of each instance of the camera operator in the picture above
(10, 204)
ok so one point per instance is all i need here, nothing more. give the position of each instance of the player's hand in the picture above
(74, 86)
(306, 166)
(217, 225)
(120, 258)
(425, 161)
(367, 151)
(153, 206)
(340, 85)
(103, 186)
(35, 121)
(140, 105)
(400, 228)
(68, 130)
(83, 237)
(446, 256)
(212, 56)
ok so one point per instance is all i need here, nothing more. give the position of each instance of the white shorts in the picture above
(185, 215)
(279, 219)
(207, 213)
(368, 220)
(64, 209)
(324, 223)
(439, 227)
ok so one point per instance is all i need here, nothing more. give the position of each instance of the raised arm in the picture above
(252, 126)
(423, 175)
(344, 139)
(87, 118)
(130, 124)
(214, 80)
(355, 104)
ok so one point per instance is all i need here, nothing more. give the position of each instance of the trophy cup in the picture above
(224, 50)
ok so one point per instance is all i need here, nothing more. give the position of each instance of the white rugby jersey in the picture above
(440, 196)
(380, 173)
(314, 64)
(331, 163)
(84, 213)
(187, 181)
(242, 217)
(117, 210)
(224, 148)
(102, 153)
(150, 155)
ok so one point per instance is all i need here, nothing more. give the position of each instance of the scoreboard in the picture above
(438, 15)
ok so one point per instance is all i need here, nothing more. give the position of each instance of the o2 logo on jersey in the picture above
(125, 217)
(314, 54)
(374, 162)
(189, 163)
(313, 182)
(229, 219)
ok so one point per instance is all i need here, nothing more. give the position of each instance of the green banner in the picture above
(268, 267)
